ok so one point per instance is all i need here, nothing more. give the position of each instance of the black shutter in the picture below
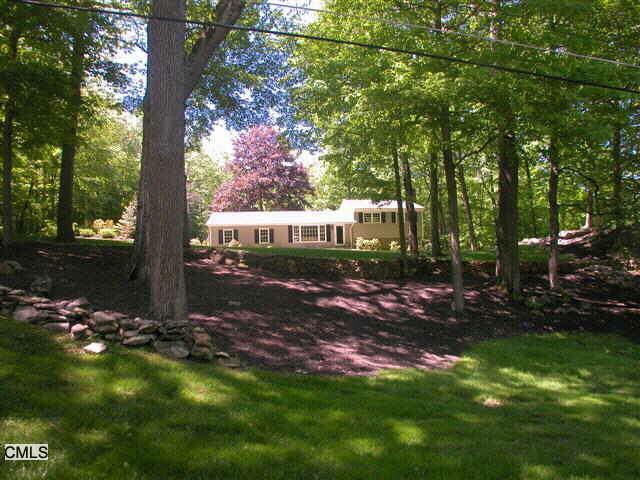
(290, 233)
(235, 235)
(328, 233)
(383, 217)
(393, 217)
(220, 239)
(256, 235)
(271, 235)
(360, 217)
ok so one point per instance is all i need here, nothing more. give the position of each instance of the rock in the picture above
(68, 313)
(4, 290)
(106, 328)
(128, 324)
(57, 326)
(26, 314)
(9, 267)
(176, 349)
(17, 292)
(55, 318)
(46, 306)
(128, 333)
(28, 299)
(81, 302)
(95, 347)
(137, 340)
(202, 339)
(202, 353)
(112, 337)
(80, 331)
(223, 355)
(148, 327)
(104, 317)
(80, 312)
(42, 284)
(229, 261)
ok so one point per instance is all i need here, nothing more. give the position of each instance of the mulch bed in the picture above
(348, 326)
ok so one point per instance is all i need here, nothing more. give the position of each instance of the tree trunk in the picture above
(164, 158)
(434, 202)
(7, 152)
(507, 221)
(401, 227)
(69, 147)
(186, 237)
(473, 240)
(618, 213)
(554, 227)
(532, 208)
(588, 218)
(139, 269)
(452, 197)
(412, 215)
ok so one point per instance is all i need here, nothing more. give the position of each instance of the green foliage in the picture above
(49, 230)
(368, 244)
(86, 232)
(204, 176)
(107, 233)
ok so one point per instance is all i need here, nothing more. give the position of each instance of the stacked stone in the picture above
(202, 345)
(176, 339)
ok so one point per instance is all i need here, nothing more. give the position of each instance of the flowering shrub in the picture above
(367, 244)
(234, 244)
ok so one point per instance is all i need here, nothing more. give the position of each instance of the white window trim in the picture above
(371, 218)
(260, 230)
(299, 227)
(224, 235)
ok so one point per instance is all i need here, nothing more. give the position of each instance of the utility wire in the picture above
(336, 41)
(447, 31)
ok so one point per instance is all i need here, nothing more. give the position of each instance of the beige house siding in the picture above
(246, 237)
(385, 232)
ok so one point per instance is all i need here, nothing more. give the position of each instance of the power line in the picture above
(336, 41)
(447, 31)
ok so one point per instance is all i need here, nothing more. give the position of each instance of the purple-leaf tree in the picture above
(264, 175)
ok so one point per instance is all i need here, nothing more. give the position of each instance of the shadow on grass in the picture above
(559, 407)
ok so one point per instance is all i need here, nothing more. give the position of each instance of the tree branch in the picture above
(227, 12)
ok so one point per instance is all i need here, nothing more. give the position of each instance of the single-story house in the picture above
(307, 228)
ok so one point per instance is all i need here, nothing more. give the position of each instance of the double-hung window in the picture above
(367, 218)
(227, 236)
(375, 217)
(264, 235)
(309, 233)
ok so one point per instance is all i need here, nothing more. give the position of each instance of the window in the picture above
(296, 233)
(367, 218)
(309, 233)
(264, 235)
(372, 217)
(323, 233)
(375, 217)
(393, 217)
(227, 236)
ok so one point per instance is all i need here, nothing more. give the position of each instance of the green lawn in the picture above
(527, 253)
(537, 407)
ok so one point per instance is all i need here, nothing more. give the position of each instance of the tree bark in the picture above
(7, 151)
(412, 215)
(434, 202)
(69, 147)
(452, 201)
(164, 158)
(400, 213)
(473, 239)
(554, 226)
(532, 209)
(618, 212)
(507, 221)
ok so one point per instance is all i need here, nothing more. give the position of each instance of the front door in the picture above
(339, 235)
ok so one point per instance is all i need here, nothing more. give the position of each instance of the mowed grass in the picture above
(527, 254)
(534, 407)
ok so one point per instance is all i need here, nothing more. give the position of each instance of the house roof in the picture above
(287, 217)
(344, 214)
(354, 205)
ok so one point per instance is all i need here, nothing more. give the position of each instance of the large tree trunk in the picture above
(452, 197)
(7, 151)
(434, 203)
(473, 239)
(412, 215)
(618, 212)
(530, 193)
(400, 214)
(164, 157)
(69, 147)
(554, 226)
(507, 221)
